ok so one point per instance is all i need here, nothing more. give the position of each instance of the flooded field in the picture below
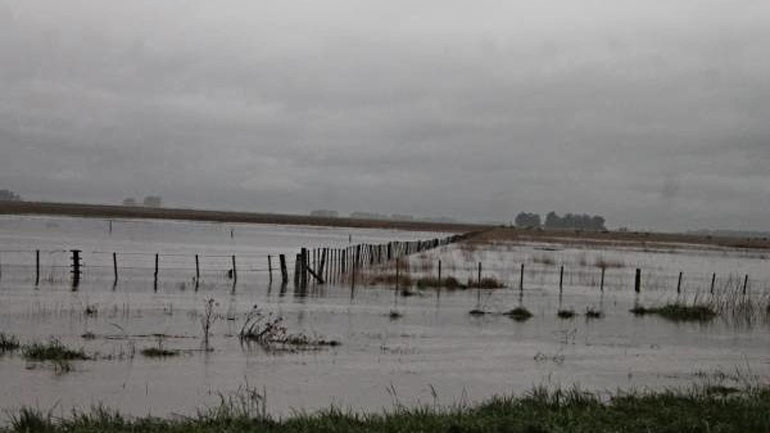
(432, 350)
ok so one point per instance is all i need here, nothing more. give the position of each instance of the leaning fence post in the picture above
(679, 284)
(745, 284)
(713, 281)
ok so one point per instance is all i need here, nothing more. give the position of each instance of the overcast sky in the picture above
(653, 113)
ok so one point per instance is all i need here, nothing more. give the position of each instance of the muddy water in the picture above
(435, 349)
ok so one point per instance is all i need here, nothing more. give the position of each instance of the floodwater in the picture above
(435, 353)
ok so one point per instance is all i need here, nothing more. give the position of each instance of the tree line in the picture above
(554, 221)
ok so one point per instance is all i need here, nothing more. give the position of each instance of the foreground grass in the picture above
(539, 412)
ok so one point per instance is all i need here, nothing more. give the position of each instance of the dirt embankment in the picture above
(109, 211)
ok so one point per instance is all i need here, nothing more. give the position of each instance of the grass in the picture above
(678, 312)
(519, 314)
(540, 411)
(53, 350)
(8, 343)
(565, 314)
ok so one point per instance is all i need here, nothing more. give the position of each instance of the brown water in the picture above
(435, 347)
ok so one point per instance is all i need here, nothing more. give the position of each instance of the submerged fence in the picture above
(320, 264)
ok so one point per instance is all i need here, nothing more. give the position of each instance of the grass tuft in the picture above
(566, 314)
(485, 283)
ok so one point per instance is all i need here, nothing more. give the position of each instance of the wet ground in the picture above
(435, 352)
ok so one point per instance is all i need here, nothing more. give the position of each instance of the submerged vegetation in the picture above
(8, 343)
(269, 331)
(565, 314)
(53, 350)
(519, 314)
(678, 312)
(699, 410)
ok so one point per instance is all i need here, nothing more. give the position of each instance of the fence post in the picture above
(284, 272)
(561, 278)
(439, 273)
(75, 268)
(115, 266)
(479, 277)
(601, 284)
(713, 281)
(197, 272)
(155, 284)
(745, 284)
(235, 271)
(638, 281)
(521, 278)
(37, 267)
(270, 267)
(679, 284)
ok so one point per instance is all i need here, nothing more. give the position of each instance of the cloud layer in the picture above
(653, 114)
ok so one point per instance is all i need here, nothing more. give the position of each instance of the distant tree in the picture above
(574, 221)
(152, 201)
(530, 220)
(129, 201)
(8, 195)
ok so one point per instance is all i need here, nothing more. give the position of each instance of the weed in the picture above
(270, 332)
(519, 314)
(566, 314)
(91, 310)
(207, 319)
(395, 315)
(477, 312)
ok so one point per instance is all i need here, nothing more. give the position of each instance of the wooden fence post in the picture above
(37, 267)
(115, 266)
(679, 284)
(155, 284)
(270, 267)
(284, 271)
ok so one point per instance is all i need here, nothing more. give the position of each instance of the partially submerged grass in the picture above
(519, 314)
(433, 282)
(270, 332)
(159, 352)
(678, 312)
(593, 313)
(53, 350)
(566, 314)
(539, 411)
(8, 343)
(485, 283)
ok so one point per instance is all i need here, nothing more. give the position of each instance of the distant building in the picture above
(8, 195)
(325, 213)
(130, 201)
(152, 201)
